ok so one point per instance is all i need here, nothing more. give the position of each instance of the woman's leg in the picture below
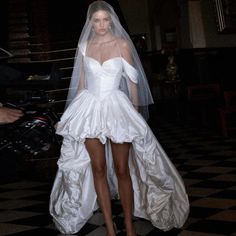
(121, 156)
(96, 152)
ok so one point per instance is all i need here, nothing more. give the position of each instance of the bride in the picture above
(108, 150)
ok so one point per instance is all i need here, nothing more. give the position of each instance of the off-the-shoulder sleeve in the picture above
(130, 71)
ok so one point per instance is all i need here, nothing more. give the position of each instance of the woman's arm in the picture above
(132, 82)
(82, 79)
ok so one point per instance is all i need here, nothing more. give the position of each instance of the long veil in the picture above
(87, 34)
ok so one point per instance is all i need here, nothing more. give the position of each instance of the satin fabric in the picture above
(103, 111)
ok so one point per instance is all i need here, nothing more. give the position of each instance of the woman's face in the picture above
(101, 22)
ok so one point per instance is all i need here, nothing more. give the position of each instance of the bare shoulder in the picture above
(124, 49)
(123, 44)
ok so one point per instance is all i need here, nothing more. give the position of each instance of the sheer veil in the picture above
(78, 82)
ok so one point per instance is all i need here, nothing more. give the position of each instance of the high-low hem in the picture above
(159, 192)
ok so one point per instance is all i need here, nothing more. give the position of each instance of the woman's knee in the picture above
(122, 173)
(99, 171)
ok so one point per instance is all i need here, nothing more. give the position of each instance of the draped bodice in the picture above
(103, 78)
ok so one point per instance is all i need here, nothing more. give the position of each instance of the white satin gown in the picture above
(103, 111)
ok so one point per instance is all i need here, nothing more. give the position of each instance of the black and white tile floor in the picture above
(206, 161)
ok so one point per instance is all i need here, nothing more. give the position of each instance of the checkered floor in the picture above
(206, 161)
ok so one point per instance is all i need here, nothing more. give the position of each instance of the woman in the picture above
(108, 149)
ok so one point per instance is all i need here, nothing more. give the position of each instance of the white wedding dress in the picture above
(103, 111)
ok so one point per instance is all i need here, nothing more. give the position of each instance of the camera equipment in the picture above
(31, 134)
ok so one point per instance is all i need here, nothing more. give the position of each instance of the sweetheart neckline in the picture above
(101, 64)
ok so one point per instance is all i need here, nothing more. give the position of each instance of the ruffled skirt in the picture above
(159, 192)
